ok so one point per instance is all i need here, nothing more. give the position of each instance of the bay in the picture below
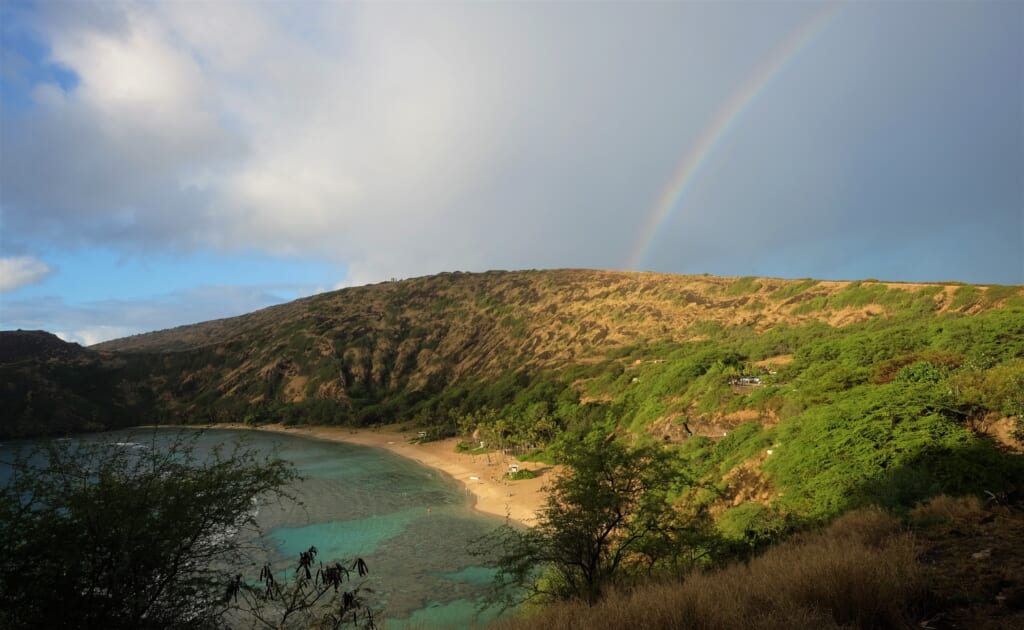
(411, 524)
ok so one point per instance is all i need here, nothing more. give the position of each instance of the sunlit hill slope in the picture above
(852, 385)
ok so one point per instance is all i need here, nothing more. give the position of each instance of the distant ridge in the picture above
(583, 291)
(21, 345)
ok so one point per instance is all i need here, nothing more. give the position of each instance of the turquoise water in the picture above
(412, 525)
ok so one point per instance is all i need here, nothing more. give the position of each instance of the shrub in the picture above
(792, 289)
(944, 508)
(747, 284)
(609, 517)
(524, 473)
(858, 573)
(1017, 432)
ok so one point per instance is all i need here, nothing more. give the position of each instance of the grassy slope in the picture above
(951, 564)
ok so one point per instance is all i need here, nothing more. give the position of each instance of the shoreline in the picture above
(481, 475)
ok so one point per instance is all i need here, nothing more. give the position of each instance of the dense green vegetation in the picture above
(882, 412)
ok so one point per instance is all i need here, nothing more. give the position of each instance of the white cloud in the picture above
(18, 271)
(399, 139)
(96, 334)
(393, 139)
(92, 322)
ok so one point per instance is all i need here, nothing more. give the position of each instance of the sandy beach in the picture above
(482, 475)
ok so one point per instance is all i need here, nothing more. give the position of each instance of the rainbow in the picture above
(672, 196)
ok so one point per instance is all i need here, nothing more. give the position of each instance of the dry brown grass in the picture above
(1001, 429)
(858, 573)
(295, 390)
(948, 509)
(582, 310)
(776, 361)
(854, 315)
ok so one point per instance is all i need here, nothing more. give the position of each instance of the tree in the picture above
(115, 535)
(310, 597)
(609, 516)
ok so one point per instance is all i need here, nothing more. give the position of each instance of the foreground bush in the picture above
(858, 573)
(108, 535)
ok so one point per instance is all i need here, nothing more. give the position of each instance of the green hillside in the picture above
(796, 399)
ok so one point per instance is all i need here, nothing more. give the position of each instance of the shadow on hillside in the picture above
(979, 467)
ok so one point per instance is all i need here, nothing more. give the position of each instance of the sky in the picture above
(164, 163)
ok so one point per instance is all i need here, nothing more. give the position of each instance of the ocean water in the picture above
(411, 524)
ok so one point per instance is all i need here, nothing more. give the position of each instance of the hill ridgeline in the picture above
(794, 396)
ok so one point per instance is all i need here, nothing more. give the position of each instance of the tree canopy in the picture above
(128, 535)
(610, 515)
